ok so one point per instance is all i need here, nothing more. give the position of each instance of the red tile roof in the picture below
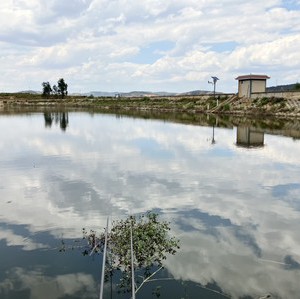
(255, 77)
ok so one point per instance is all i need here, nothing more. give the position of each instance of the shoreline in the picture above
(224, 104)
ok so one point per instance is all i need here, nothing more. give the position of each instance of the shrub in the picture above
(226, 107)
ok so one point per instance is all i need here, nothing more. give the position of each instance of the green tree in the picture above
(151, 245)
(55, 90)
(47, 90)
(62, 88)
(151, 242)
(297, 86)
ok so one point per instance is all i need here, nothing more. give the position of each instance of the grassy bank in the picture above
(222, 104)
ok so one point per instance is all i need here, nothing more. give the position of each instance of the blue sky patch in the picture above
(291, 5)
(223, 47)
(152, 52)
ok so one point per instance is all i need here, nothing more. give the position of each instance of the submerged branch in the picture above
(148, 279)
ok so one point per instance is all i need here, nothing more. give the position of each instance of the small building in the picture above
(249, 84)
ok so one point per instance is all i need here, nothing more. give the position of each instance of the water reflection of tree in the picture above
(61, 118)
(151, 245)
(48, 119)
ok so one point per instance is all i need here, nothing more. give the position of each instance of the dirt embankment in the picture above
(221, 104)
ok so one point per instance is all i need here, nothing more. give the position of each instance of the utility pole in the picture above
(214, 82)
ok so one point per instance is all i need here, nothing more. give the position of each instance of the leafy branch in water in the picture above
(151, 245)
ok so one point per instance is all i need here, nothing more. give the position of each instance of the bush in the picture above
(226, 107)
(264, 101)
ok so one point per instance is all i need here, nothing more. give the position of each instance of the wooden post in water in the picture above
(103, 262)
(132, 264)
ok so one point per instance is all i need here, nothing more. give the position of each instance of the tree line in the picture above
(59, 90)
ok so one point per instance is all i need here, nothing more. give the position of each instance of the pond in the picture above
(229, 189)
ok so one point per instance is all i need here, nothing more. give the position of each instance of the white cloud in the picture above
(59, 38)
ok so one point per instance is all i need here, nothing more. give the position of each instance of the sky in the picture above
(150, 45)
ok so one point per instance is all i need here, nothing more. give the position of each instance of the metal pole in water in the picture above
(103, 262)
(132, 267)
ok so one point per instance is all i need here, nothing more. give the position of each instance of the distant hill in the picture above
(100, 94)
(131, 93)
(29, 92)
(196, 92)
(288, 87)
(145, 93)
(279, 88)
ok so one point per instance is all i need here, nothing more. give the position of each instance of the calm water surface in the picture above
(232, 196)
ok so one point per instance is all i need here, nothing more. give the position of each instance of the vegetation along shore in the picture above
(287, 105)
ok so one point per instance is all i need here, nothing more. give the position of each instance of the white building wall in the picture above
(244, 88)
(258, 86)
(247, 87)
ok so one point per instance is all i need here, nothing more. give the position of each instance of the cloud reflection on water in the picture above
(231, 264)
(228, 205)
(34, 284)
